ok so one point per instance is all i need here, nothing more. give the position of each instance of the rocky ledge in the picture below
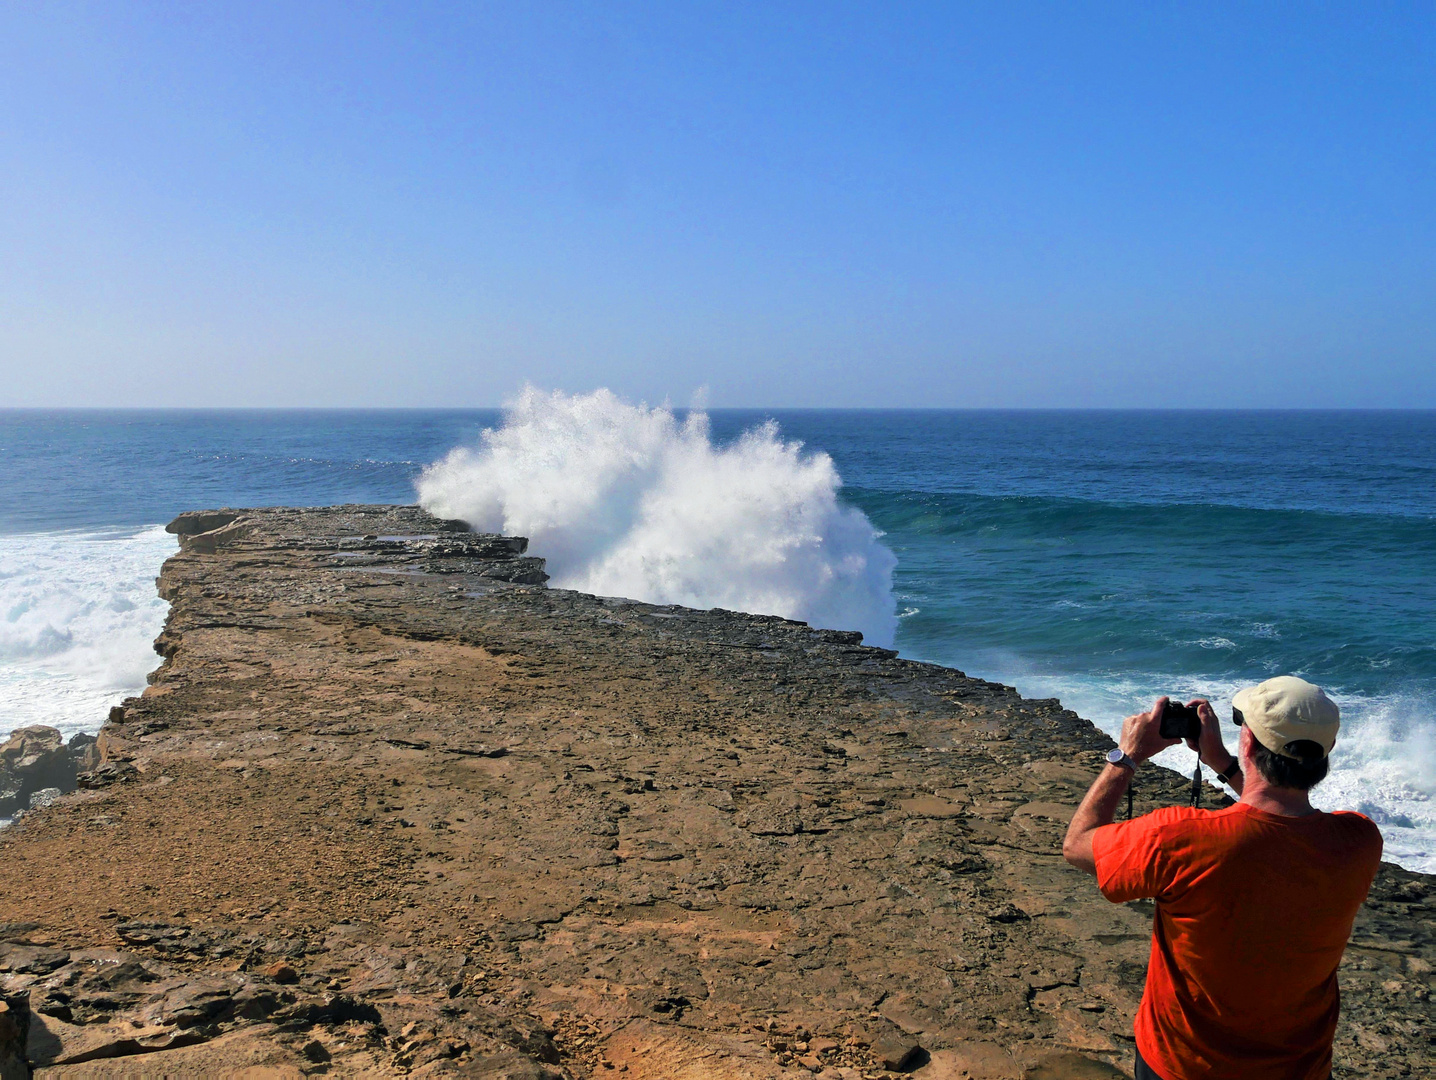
(391, 805)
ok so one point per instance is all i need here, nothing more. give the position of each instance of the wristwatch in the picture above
(1231, 770)
(1116, 757)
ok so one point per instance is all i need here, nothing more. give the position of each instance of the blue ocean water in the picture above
(1099, 557)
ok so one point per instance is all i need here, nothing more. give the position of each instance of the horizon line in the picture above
(7, 409)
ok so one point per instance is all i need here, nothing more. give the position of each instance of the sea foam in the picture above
(78, 614)
(1384, 763)
(628, 500)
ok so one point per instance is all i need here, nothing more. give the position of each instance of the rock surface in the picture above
(36, 761)
(392, 806)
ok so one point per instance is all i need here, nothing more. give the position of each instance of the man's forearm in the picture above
(1098, 808)
(1234, 780)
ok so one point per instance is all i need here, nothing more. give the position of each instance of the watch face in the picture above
(1114, 756)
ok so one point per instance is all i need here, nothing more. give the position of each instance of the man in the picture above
(1254, 902)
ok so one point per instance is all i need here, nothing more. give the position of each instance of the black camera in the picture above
(1180, 721)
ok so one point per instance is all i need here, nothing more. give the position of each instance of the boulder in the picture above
(32, 759)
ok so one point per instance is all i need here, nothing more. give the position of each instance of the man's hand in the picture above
(1141, 738)
(1142, 734)
(1210, 747)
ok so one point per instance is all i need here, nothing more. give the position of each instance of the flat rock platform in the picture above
(393, 806)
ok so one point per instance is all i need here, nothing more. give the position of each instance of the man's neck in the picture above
(1286, 802)
(1260, 793)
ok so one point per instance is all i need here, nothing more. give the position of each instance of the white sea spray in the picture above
(78, 617)
(1383, 765)
(628, 500)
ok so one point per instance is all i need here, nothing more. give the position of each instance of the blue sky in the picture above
(788, 204)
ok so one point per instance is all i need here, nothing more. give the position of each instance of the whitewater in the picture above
(627, 500)
(78, 618)
(1033, 549)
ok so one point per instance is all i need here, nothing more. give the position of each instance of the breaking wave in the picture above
(78, 613)
(627, 500)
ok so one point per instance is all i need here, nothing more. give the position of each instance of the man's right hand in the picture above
(1142, 734)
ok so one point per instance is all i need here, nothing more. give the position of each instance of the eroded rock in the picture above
(32, 760)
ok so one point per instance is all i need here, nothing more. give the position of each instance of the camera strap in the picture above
(1197, 786)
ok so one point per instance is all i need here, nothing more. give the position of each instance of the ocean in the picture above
(1101, 558)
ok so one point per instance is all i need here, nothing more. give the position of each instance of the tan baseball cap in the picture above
(1285, 709)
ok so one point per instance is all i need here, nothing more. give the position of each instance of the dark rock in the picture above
(255, 1003)
(31, 959)
(478, 751)
(200, 1002)
(31, 760)
(201, 521)
(150, 933)
(334, 1009)
(518, 931)
(1008, 913)
(110, 772)
(14, 1036)
(85, 752)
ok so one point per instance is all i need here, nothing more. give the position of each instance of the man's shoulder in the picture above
(1359, 828)
(1347, 832)
(1351, 819)
(1162, 821)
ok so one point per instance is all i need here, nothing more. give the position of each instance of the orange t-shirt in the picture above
(1253, 914)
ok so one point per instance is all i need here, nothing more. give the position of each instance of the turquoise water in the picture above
(1102, 558)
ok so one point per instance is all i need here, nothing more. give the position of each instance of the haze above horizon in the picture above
(792, 205)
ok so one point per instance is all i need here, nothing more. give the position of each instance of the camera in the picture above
(1180, 721)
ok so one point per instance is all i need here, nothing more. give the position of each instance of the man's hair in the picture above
(1288, 772)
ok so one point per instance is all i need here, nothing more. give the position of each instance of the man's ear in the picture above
(1244, 743)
